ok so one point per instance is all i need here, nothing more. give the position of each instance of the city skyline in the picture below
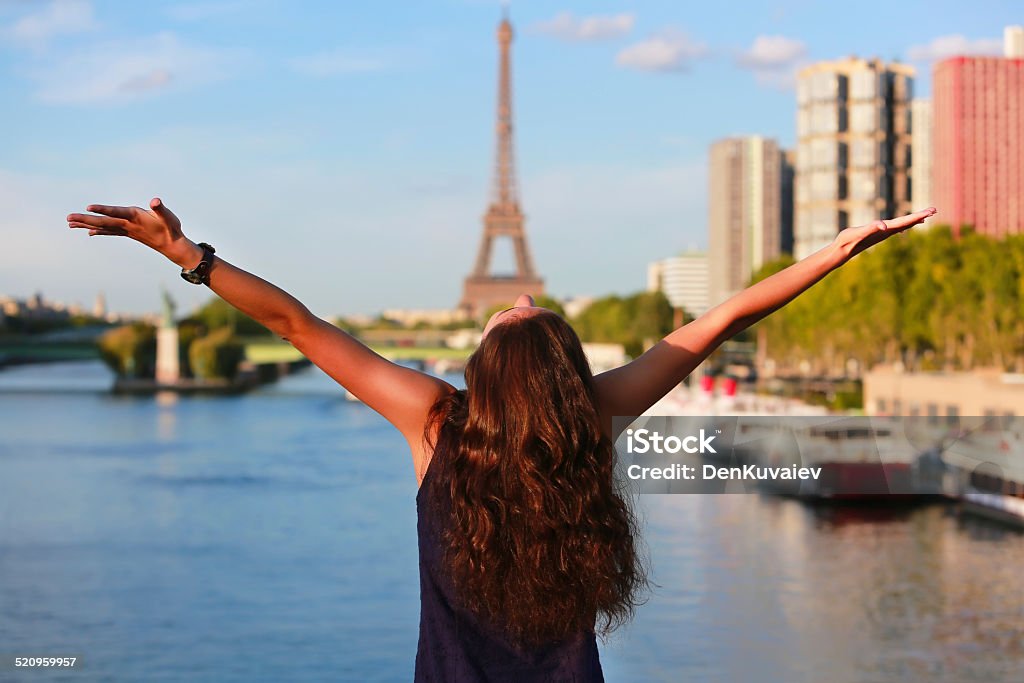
(304, 146)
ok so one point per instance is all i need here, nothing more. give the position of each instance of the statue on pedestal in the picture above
(169, 309)
(168, 369)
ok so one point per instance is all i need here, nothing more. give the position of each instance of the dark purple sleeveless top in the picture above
(455, 645)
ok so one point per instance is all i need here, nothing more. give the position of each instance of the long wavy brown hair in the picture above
(540, 540)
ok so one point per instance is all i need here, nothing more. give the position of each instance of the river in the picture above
(272, 537)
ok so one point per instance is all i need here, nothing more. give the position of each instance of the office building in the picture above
(978, 173)
(683, 279)
(853, 147)
(745, 211)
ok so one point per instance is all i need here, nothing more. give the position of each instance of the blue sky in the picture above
(343, 150)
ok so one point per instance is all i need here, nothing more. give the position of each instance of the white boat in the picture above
(987, 466)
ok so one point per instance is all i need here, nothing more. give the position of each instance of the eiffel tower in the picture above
(504, 218)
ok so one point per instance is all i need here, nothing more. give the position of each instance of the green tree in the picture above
(924, 298)
(216, 355)
(634, 321)
(347, 325)
(219, 313)
(130, 350)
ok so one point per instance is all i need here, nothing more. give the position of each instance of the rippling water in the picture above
(272, 537)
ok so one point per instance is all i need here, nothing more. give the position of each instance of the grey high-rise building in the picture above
(853, 147)
(746, 208)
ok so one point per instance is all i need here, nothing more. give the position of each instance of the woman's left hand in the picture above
(157, 228)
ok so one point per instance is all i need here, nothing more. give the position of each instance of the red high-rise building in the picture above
(978, 162)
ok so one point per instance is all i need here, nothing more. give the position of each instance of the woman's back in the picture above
(457, 645)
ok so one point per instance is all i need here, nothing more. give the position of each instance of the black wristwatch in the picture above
(200, 275)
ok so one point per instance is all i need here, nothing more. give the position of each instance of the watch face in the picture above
(194, 278)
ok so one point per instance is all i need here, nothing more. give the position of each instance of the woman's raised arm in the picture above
(402, 395)
(633, 388)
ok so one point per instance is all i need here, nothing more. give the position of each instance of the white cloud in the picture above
(335, 63)
(774, 60)
(119, 70)
(57, 18)
(669, 50)
(772, 52)
(953, 45)
(567, 26)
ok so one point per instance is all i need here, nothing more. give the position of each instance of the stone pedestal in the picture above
(168, 370)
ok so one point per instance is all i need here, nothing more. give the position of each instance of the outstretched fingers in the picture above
(908, 220)
(98, 225)
(84, 220)
(126, 212)
(95, 229)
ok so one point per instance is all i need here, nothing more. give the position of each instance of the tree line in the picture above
(922, 298)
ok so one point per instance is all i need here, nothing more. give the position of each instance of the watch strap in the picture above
(200, 275)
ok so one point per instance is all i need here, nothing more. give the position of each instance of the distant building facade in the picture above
(943, 395)
(745, 211)
(684, 279)
(574, 305)
(99, 307)
(979, 142)
(786, 186)
(36, 307)
(853, 155)
(1013, 42)
(430, 316)
(921, 145)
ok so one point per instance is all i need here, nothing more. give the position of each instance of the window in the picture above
(863, 117)
(803, 189)
(803, 121)
(952, 414)
(863, 212)
(863, 152)
(804, 159)
(933, 413)
(864, 85)
(825, 86)
(824, 185)
(803, 91)
(825, 117)
(824, 152)
(863, 185)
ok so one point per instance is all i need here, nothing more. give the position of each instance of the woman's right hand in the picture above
(158, 228)
(853, 241)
